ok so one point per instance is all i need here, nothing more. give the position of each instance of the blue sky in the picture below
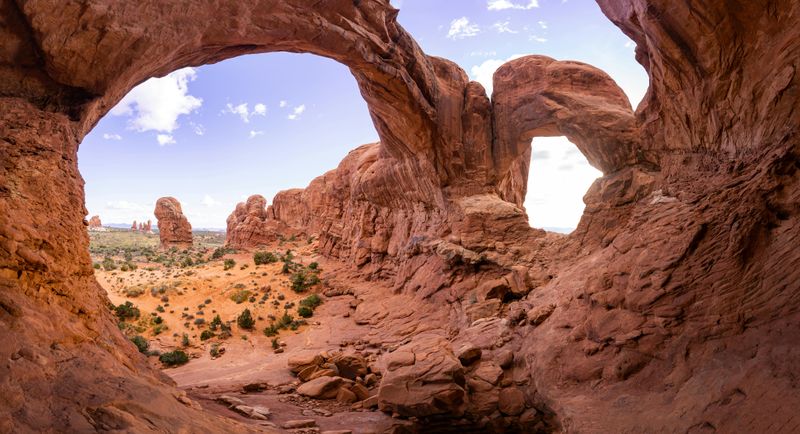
(213, 135)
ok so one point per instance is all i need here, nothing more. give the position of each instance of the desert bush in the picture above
(127, 310)
(240, 296)
(216, 322)
(245, 320)
(214, 350)
(206, 335)
(228, 264)
(260, 258)
(141, 343)
(174, 358)
(199, 321)
(275, 344)
(311, 301)
(159, 328)
(96, 265)
(109, 264)
(133, 292)
(272, 330)
(185, 340)
(305, 311)
(313, 266)
(303, 279)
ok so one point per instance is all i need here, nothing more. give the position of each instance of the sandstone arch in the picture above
(536, 96)
(687, 253)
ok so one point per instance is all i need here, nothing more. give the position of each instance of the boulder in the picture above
(468, 354)
(425, 379)
(321, 388)
(511, 401)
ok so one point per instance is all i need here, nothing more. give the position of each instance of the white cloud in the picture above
(499, 5)
(461, 28)
(157, 103)
(484, 72)
(243, 110)
(260, 109)
(296, 112)
(283, 103)
(543, 24)
(198, 129)
(254, 133)
(165, 139)
(209, 201)
(112, 136)
(503, 27)
(537, 39)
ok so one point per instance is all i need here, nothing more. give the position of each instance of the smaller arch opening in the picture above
(558, 178)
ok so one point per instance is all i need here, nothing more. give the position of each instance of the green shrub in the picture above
(109, 264)
(141, 343)
(313, 266)
(206, 335)
(305, 311)
(302, 280)
(185, 340)
(214, 350)
(127, 311)
(241, 296)
(275, 344)
(285, 320)
(245, 320)
(260, 258)
(174, 358)
(160, 328)
(220, 252)
(272, 330)
(311, 301)
(228, 264)
(216, 322)
(96, 265)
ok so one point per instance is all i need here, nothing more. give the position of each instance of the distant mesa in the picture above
(173, 227)
(95, 224)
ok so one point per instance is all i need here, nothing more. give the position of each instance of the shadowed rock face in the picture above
(174, 229)
(672, 306)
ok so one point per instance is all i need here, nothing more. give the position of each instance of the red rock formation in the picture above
(134, 226)
(173, 227)
(250, 226)
(148, 227)
(672, 306)
(95, 223)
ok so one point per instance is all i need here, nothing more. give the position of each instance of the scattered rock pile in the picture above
(348, 378)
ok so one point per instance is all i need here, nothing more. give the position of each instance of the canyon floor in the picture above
(178, 298)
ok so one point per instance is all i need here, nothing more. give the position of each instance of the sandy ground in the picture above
(249, 356)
